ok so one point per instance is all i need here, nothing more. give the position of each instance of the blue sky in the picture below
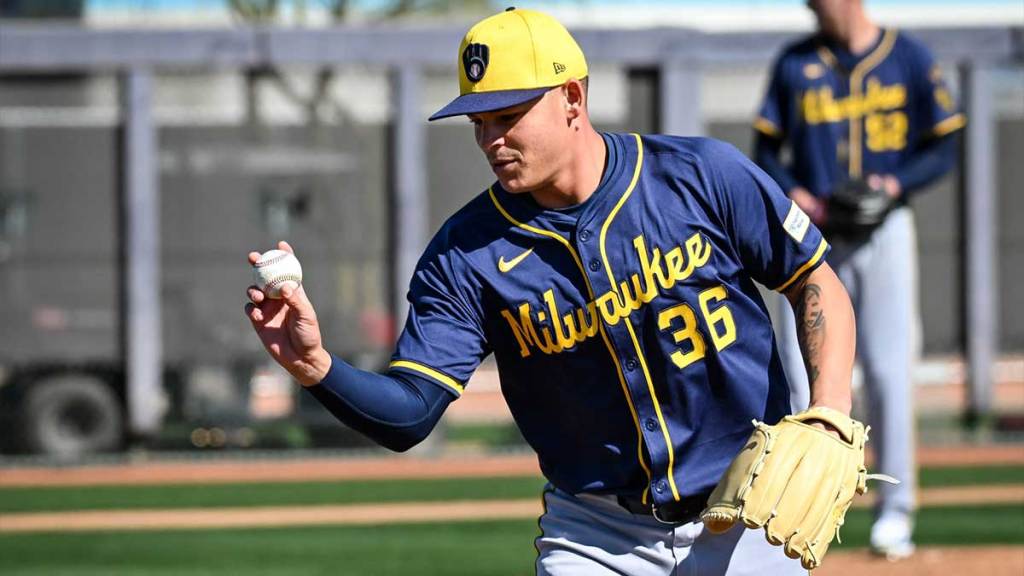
(216, 4)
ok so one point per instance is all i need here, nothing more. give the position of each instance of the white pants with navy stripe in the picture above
(880, 275)
(588, 535)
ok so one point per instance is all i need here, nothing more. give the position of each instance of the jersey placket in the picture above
(585, 263)
(591, 241)
(632, 371)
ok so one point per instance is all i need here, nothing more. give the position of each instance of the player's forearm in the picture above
(396, 411)
(827, 335)
(768, 155)
(928, 164)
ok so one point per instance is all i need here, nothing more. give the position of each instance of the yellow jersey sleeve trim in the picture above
(767, 127)
(951, 124)
(429, 372)
(807, 266)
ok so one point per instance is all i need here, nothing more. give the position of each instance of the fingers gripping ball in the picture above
(794, 480)
(276, 269)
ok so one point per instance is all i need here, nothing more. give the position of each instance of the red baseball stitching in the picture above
(274, 260)
(282, 279)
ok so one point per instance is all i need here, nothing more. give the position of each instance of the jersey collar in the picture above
(839, 58)
(621, 152)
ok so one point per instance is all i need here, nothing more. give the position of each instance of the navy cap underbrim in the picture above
(477, 102)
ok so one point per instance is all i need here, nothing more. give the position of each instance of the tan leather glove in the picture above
(796, 481)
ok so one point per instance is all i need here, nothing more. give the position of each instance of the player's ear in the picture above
(575, 98)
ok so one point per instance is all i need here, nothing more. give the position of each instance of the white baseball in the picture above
(274, 270)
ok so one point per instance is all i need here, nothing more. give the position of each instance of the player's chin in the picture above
(513, 183)
(510, 176)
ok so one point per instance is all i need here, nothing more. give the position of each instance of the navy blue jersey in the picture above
(632, 345)
(849, 116)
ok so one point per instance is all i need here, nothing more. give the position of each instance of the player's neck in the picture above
(581, 176)
(863, 34)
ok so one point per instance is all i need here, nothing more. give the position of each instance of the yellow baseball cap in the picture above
(511, 58)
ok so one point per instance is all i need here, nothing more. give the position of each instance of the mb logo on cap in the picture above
(474, 61)
(512, 58)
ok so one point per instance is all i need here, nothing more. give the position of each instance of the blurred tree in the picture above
(316, 101)
(62, 9)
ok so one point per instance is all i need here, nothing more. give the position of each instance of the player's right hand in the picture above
(289, 329)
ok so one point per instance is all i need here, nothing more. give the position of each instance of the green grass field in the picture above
(478, 548)
(449, 548)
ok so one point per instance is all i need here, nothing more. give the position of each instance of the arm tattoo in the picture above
(810, 329)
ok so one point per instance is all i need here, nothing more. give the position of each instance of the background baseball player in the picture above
(869, 121)
(612, 276)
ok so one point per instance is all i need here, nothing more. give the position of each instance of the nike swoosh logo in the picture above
(506, 266)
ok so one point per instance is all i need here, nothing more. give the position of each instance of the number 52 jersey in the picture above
(632, 344)
(848, 116)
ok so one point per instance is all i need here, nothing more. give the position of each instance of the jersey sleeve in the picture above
(443, 340)
(772, 117)
(935, 105)
(775, 240)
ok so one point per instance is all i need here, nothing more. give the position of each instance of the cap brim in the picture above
(477, 102)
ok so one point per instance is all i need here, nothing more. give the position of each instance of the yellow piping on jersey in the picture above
(811, 262)
(951, 124)
(604, 334)
(828, 57)
(428, 371)
(856, 87)
(629, 325)
(767, 127)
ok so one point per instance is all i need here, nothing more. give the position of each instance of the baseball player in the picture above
(869, 121)
(612, 277)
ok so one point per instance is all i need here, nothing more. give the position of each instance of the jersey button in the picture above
(651, 425)
(631, 364)
(594, 265)
(584, 235)
(660, 487)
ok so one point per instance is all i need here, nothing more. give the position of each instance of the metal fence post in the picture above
(410, 203)
(679, 99)
(141, 256)
(409, 184)
(979, 189)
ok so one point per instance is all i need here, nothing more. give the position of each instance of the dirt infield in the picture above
(384, 467)
(205, 518)
(237, 471)
(978, 561)
(384, 513)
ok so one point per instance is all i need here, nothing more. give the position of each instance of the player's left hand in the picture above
(858, 206)
(887, 182)
(289, 329)
(795, 479)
